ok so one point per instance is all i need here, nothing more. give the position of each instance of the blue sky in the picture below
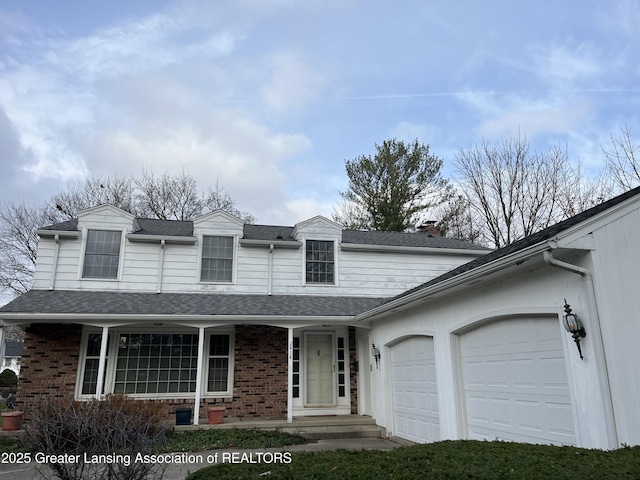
(269, 97)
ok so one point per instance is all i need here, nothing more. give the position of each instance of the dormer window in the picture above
(102, 254)
(217, 259)
(319, 262)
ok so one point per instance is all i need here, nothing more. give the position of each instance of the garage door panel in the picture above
(519, 395)
(416, 415)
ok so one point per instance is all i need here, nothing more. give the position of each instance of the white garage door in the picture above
(415, 394)
(515, 382)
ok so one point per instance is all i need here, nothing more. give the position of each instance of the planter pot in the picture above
(12, 420)
(216, 415)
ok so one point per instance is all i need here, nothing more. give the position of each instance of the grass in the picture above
(211, 439)
(444, 460)
(198, 440)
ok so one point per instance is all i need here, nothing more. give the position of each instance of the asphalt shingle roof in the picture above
(121, 303)
(401, 239)
(529, 241)
(68, 226)
(151, 226)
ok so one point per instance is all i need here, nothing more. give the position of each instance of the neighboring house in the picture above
(12, 357)
(480, 352)
(192, 313)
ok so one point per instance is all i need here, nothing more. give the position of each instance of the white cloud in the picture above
(567, 63)
(293, 83)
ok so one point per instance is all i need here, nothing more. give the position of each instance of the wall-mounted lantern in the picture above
(375, 353)
(573, 325)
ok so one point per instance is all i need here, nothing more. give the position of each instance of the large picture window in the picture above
(158, 364)
(319, 262)
(102, 254)
(217, 259)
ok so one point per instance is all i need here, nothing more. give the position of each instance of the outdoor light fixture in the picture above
(376, 353)
(573, 325)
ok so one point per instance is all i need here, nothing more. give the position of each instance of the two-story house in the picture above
(192, 313)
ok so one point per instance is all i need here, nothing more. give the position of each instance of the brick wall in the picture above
(50, 366)
(260, 377)
(49, 363)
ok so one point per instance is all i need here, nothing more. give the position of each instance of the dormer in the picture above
(218, 234)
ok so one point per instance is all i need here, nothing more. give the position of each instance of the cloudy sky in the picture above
(269, 97)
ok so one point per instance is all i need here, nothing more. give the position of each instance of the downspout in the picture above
(56, 252)
(161, 268)
(603, 371)
(270, 270)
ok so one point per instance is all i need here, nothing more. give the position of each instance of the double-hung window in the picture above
(319, 262)
(219, 357)
(102, 254)
(217, 259)
(92, 360)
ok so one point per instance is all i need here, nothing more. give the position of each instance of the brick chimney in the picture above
(429, 227)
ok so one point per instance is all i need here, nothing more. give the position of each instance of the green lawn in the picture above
(444, 460)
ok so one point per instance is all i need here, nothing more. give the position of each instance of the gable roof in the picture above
(280, 233)
(96, 303)
(520, 245)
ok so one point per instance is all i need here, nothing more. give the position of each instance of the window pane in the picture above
(102, 254)
(217, 259)
(320, 261)
(140, 370)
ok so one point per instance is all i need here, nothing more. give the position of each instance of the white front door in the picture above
(319, 369)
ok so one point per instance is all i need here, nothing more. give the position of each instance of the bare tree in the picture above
(516, 192)
(113, 189)
(622, 160)
(165, 197)
(19, 242)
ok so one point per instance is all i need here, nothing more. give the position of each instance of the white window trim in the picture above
(112, 354)
(83, 249)
(320, 238)
(234, 263)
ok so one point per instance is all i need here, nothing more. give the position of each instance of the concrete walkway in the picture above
(196, 461)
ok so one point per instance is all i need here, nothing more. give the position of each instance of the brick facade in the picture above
(50, 366)
(49, 363)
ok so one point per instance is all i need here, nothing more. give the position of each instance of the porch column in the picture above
(196, 406)
(290, 376)
(102, 362)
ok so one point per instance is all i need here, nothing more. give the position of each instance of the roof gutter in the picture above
(403, 249)
(245, 242)
(58, 233)
(138, 237)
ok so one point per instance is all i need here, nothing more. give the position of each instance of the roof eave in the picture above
(246, 242)
(144, 238)
(59, 233)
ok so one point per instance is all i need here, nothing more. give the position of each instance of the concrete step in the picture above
(326, 434)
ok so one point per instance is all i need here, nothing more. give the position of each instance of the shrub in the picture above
(117, 428)
(8, 378)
